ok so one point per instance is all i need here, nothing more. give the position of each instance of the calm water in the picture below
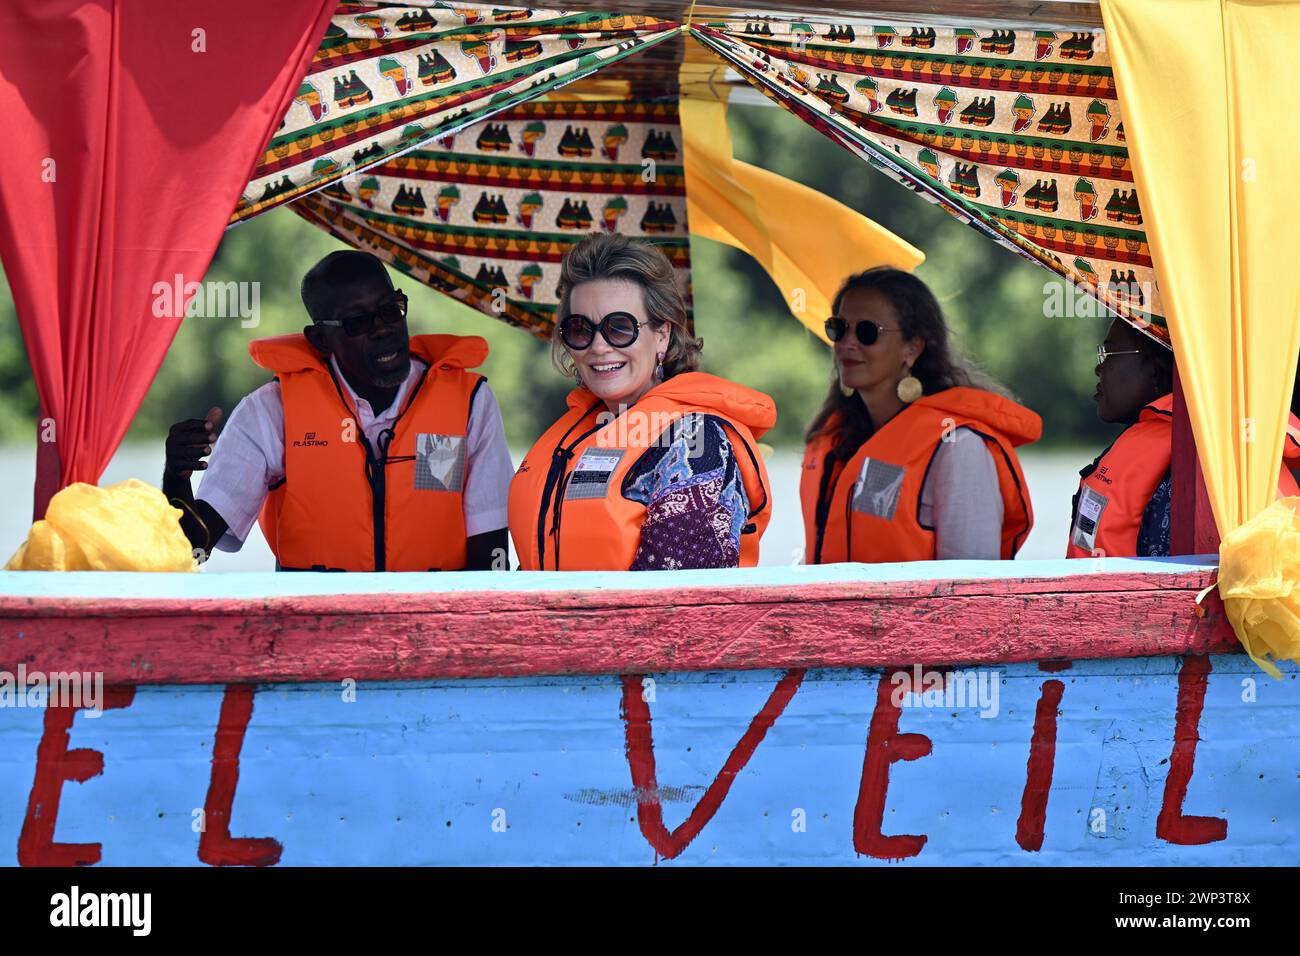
(1052, 476)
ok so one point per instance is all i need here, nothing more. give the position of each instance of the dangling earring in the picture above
(909, 388)
(577, 376)
(659, 367)
(846, 390)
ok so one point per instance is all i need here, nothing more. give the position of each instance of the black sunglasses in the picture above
(868, 332)
(620, 330)
(390, 312)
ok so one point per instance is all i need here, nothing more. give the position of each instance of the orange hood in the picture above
(743, 405)
(1020, 425)
(293, 353)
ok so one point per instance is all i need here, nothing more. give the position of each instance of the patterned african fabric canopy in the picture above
(486, 215)
(388, 78)
(1015, 131)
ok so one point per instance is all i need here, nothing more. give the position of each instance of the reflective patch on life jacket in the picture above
(591, 476)
(439, 462)
(877, 489)
(1091, 505)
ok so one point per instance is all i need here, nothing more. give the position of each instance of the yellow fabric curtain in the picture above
(807, 242)
(1202, 83)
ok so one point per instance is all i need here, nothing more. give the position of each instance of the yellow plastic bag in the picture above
(129, 526)
(1259, 581)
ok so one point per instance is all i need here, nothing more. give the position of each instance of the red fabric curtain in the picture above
(130, 127)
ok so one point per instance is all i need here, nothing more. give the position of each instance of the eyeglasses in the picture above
(1103, 354)
(390, 312)
(620, 330)
(868, 332)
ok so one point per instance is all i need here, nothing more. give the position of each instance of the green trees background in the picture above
(993, 299)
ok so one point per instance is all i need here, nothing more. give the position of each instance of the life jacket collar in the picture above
(293, 353)
(749, 407)
(1017, 424)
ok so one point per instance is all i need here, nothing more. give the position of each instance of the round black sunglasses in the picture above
(868, 332)
(620, 330)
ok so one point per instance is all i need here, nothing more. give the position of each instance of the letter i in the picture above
(1038, 772)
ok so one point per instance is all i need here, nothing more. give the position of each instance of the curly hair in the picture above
(615, 256)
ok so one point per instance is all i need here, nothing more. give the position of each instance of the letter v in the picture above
(641, 760)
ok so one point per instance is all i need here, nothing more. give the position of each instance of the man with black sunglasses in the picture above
(369, 451)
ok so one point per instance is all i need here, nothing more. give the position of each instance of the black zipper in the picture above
(848, 516)
(825, 492)
(376, 466)
(560, 457)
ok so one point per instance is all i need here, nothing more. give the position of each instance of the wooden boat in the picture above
(952, 713)
(1087, 715)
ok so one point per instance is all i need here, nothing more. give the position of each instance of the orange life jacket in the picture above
(567, 508)
(868, 508)
(1115, 489)
(344, 506)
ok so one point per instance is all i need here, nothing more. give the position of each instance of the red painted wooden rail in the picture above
(515, 633)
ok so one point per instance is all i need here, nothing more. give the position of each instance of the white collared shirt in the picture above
(249, 456)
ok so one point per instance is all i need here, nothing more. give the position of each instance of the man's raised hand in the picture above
(189, 442)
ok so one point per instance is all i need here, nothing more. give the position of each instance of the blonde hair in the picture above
(615, 256)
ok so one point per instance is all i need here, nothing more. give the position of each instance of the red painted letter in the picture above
(216, 846)
(1171, 825)
(1038, 772)
(884, 745)
(55, 763)
(641, 760)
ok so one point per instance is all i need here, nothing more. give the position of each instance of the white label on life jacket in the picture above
(1091, 505)
(591, 475)
(439, 462)
(877, 489)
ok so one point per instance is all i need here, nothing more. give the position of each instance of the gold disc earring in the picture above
(909, 388)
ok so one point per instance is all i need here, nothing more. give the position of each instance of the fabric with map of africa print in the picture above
(1017, 132)
(388, 77)
(485, 215)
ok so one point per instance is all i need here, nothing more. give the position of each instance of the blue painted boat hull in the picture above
(536, 770)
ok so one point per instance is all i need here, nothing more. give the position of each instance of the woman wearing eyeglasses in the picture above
(654, 465)
(1122, 507)
(912, 456)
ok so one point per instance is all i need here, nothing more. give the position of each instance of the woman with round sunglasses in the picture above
(1122, 507)
(654, 465)
(912, 455)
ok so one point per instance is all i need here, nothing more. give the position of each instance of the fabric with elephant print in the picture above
(1017, 132)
